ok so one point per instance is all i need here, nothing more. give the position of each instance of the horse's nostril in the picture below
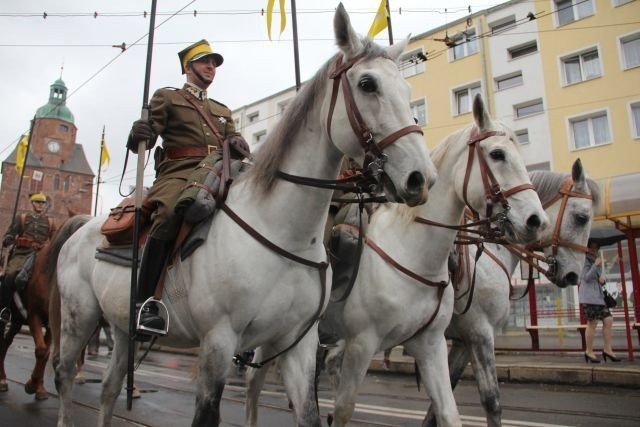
(415, 183)
(533, 222)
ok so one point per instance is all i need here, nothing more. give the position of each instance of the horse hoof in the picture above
(4, 386)
(79, 379)
(330, 419)
(42, 395)
(29, 388)
(135, 394)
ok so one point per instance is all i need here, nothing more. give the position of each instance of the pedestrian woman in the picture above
(592, 303)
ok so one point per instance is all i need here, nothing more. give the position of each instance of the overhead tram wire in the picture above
(71, 93)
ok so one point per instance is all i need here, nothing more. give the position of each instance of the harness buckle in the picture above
(212, 149)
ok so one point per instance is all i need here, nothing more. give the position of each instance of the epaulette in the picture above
(218, 102)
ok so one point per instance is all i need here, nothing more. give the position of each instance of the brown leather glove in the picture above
(239, 147)
(141, 130)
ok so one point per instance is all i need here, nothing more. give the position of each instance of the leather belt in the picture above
(194, 151)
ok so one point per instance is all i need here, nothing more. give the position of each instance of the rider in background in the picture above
(187, 139)
(27, 235)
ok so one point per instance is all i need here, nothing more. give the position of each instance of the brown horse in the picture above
(36, 300)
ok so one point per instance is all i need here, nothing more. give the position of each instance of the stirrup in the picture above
(145, 330)
(5, 315)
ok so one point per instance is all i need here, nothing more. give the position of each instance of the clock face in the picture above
(54, 146)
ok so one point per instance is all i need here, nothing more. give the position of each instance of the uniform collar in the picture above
(195, 91)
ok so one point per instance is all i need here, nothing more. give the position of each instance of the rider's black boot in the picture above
(150, 322)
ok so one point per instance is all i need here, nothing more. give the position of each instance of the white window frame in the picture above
(471, 89)
(466, 43)
(522, 47)
(259, 137)
(253, 117)
(618, 3)
(589, 117)
(411, 63)
(511, 77)
(522, 132)
(282, 105)
(517, 107)
(634, 121)
(626, 38)
(415, 110)
(577, 10)
(580, 56)
(503, 24)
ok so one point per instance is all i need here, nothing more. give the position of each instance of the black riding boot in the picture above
(7, 288)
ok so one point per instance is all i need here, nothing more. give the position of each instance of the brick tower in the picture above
(56, 165)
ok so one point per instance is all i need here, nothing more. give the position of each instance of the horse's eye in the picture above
(368, 84)
(581, 219)
(497, 154)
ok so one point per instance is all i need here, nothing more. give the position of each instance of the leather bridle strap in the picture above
(320, 266)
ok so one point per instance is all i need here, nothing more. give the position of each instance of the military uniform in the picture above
(180, 125)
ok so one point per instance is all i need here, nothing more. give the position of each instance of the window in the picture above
(67, 184)
(56, 182)
(591, 130)
(581, 67)
(617, 3)
(466, 44)
(419, 111)
(63, 128)
(635, 119)
(572, 10)
(529, 108)
(523, 136)
(523, 49)
(253, 117)
(259, 137)
(630, 50)
(412, 63)
(464, 97)
(283, 106)
(510, 80)
(503, 24)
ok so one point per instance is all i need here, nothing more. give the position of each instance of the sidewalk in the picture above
(538, 367)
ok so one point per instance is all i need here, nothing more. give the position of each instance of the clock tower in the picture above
(56, 165)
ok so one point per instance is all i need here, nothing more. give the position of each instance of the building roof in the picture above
(32, 160)
(78, 162)
(56, 108)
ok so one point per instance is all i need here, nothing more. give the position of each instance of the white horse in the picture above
(238, 291)
(412, 303)
(473, 332)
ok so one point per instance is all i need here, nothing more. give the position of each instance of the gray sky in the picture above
(106, 85)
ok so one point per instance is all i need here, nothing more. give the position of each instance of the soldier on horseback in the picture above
(191, 126)
(26, 236)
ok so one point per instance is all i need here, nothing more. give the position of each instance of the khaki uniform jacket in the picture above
(179, 124)
(36, 227)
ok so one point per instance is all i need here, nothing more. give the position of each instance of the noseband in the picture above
(363, 132)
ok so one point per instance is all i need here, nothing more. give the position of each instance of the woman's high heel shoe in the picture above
(589, 359)
(606, 356)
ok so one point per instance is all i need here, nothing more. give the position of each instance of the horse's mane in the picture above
(63, 233)
(273, 153)
(548, 183)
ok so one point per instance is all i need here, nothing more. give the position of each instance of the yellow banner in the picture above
(21, 152)
(380, 21)
(104, 155)
(283, 16)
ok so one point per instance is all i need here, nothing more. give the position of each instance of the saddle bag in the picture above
(118, 228)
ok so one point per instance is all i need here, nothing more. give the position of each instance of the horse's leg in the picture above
(78, 318)
(429, 349)
(113, 378)
(35, 384)
(333, 364)
(483, 362)
(214, 362)
(6, 338)
(458, 360)
(254, 380)
(297, 367)
(355, 363)
(79, 378)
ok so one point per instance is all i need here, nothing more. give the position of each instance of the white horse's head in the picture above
(371, 119)
(496, 182)
(569, 202)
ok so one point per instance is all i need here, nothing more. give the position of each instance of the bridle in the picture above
(527, 253)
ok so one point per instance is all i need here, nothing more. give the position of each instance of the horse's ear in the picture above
(480, 114)
(395, 50)
(577, 173)
(346, 38)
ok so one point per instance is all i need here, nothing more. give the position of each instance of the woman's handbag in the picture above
(609, 301)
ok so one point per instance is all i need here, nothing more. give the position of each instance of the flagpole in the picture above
(389, 24)
(95, 208)
(296, 59)
(142, 145)
(24, 165)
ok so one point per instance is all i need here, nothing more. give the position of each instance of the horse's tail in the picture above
(67, 229)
